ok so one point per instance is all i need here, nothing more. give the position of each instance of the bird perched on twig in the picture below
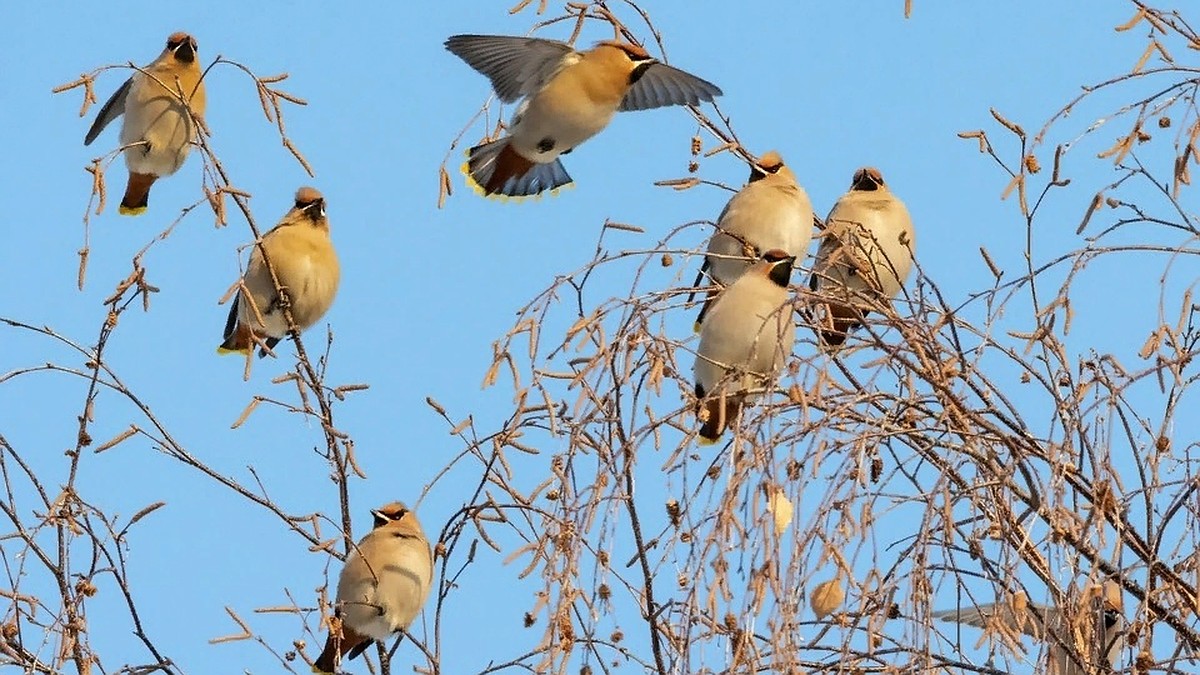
(1079, 641)
(302, 255)
(570, 96)
(865, 255)
(382, 588)
(158, 129)
(744, 342)
(771, 212)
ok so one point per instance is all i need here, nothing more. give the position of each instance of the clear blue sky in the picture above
(833, 86)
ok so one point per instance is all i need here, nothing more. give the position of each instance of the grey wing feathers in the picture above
(517, 66)
(112, 109)
(232, 319)
(661, 85)
(980, 617)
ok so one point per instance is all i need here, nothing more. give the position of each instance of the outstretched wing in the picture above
(1029, 622)
(656, 85)
(113, 108)
(517, 66)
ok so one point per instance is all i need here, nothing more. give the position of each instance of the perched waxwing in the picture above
(771, 212)
(865, 255)
(1078, 641)
(157, 132)
(744, 342)
(302, 255)
(382, 588)
(570, 96)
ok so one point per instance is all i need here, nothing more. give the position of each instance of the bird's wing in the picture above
(656, 85)
(112, 109)
(1031, 623)
(517, 66)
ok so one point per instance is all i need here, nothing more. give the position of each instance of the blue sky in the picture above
(425, 291)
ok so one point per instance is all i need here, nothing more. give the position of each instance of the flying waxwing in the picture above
(158, 131)
(570, 96)
(302, 255)
(865, 256)
(383, 586)
(1091, 636)
(771, 212)
(744, 341)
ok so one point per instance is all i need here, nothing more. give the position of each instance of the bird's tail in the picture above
(339, 644)
(137, 194)
(837, 323)
(721, 409)
(497, 169)
(238, 337)
(242, 342)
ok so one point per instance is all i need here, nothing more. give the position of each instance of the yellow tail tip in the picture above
(318, 671)
(131, 210)
(705, 442)
(696, 327)
(471, 182)
(226, 352)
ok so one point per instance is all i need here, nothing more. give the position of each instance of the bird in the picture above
(569, 96)
(771, 212)
(744, 342)
(383, 586)
(158, 130)
(301, 252)
(1099, 623)
(864, 257)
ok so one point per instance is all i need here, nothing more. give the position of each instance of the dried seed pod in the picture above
(673, 511)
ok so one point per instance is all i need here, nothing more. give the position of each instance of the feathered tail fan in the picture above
(497, 169)
(721, 410)
(239, 339)
(137, 194)
(342, 644)
(837, 323)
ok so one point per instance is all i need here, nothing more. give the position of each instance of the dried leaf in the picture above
(826, 598)
(781, 510)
